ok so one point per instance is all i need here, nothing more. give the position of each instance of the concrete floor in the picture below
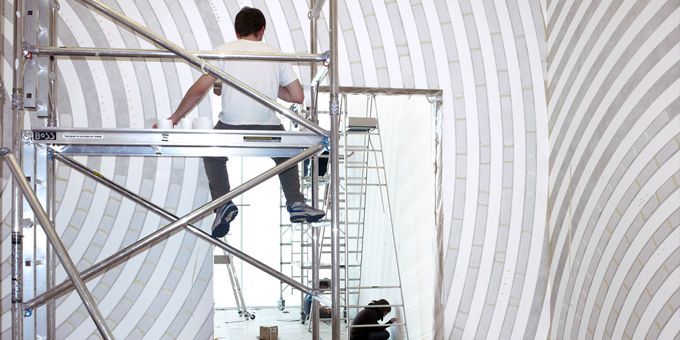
(229, 325)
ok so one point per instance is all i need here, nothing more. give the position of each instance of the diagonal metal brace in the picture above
(174, 227)
(59, 248)
(205, 67)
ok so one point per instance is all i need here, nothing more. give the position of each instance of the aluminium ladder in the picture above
(228, 260)
(364, 174)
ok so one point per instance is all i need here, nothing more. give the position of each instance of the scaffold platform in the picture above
(172, 142)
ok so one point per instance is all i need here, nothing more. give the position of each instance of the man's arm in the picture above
(292, 92)
(192, 97)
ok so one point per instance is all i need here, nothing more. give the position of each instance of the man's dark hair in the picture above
(248, 21)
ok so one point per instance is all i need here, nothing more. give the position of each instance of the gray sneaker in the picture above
(301, 212)
(224, 215)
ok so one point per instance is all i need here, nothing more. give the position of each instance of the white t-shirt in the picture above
(265, 77)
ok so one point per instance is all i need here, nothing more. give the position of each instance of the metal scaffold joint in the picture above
(435, 99)
(17, 98)
(17, 238)
(2, 92)
(334, 107)
(327, 58)
(26, 53)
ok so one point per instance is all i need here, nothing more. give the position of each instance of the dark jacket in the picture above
(367, 316)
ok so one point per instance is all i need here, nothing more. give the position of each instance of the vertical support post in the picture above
(59, 247)
(52, 118)
(17, 201)
(52, 121)
(345, 213)
(335, 178)
(315, 180)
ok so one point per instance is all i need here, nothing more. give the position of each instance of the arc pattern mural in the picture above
(614, 132)
(488, 58)
(516, 104)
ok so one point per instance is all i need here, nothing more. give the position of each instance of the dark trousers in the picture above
(218, 178)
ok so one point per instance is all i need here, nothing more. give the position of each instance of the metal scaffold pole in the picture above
(52, 121)
(174, 227)
(22, 192)
(58, 246)
(315, 178)
(335, 178)
(207, 68)
(17, 200)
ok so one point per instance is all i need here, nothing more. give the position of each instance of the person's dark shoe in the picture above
(301, 212)
(224, 215)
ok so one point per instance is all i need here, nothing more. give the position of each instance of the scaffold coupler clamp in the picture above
(334, 107)
(17, 98)
(2, 92)
(327, 58)
(28, 51)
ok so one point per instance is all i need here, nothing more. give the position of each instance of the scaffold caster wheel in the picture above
(252, 316)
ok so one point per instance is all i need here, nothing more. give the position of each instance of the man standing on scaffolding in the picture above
(240, 112)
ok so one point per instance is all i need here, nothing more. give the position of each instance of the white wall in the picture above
(614, 160)
(516, 105)
(486, 56)
(407, 131)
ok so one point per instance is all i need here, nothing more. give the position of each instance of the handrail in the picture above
(207, 68)
(155, 53)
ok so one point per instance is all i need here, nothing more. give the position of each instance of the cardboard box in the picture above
(269, 332)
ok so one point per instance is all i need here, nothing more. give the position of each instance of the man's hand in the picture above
(192, 97)
(155, 125)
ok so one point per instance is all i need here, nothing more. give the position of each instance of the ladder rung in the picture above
(376, 287)
(328, 266)
(364, 306)
(323, 246)
(397, 324)
(359, 132)
(359, 149)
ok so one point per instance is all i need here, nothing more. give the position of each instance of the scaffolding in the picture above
(57, 146)
(362, 170)
(148, 144)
